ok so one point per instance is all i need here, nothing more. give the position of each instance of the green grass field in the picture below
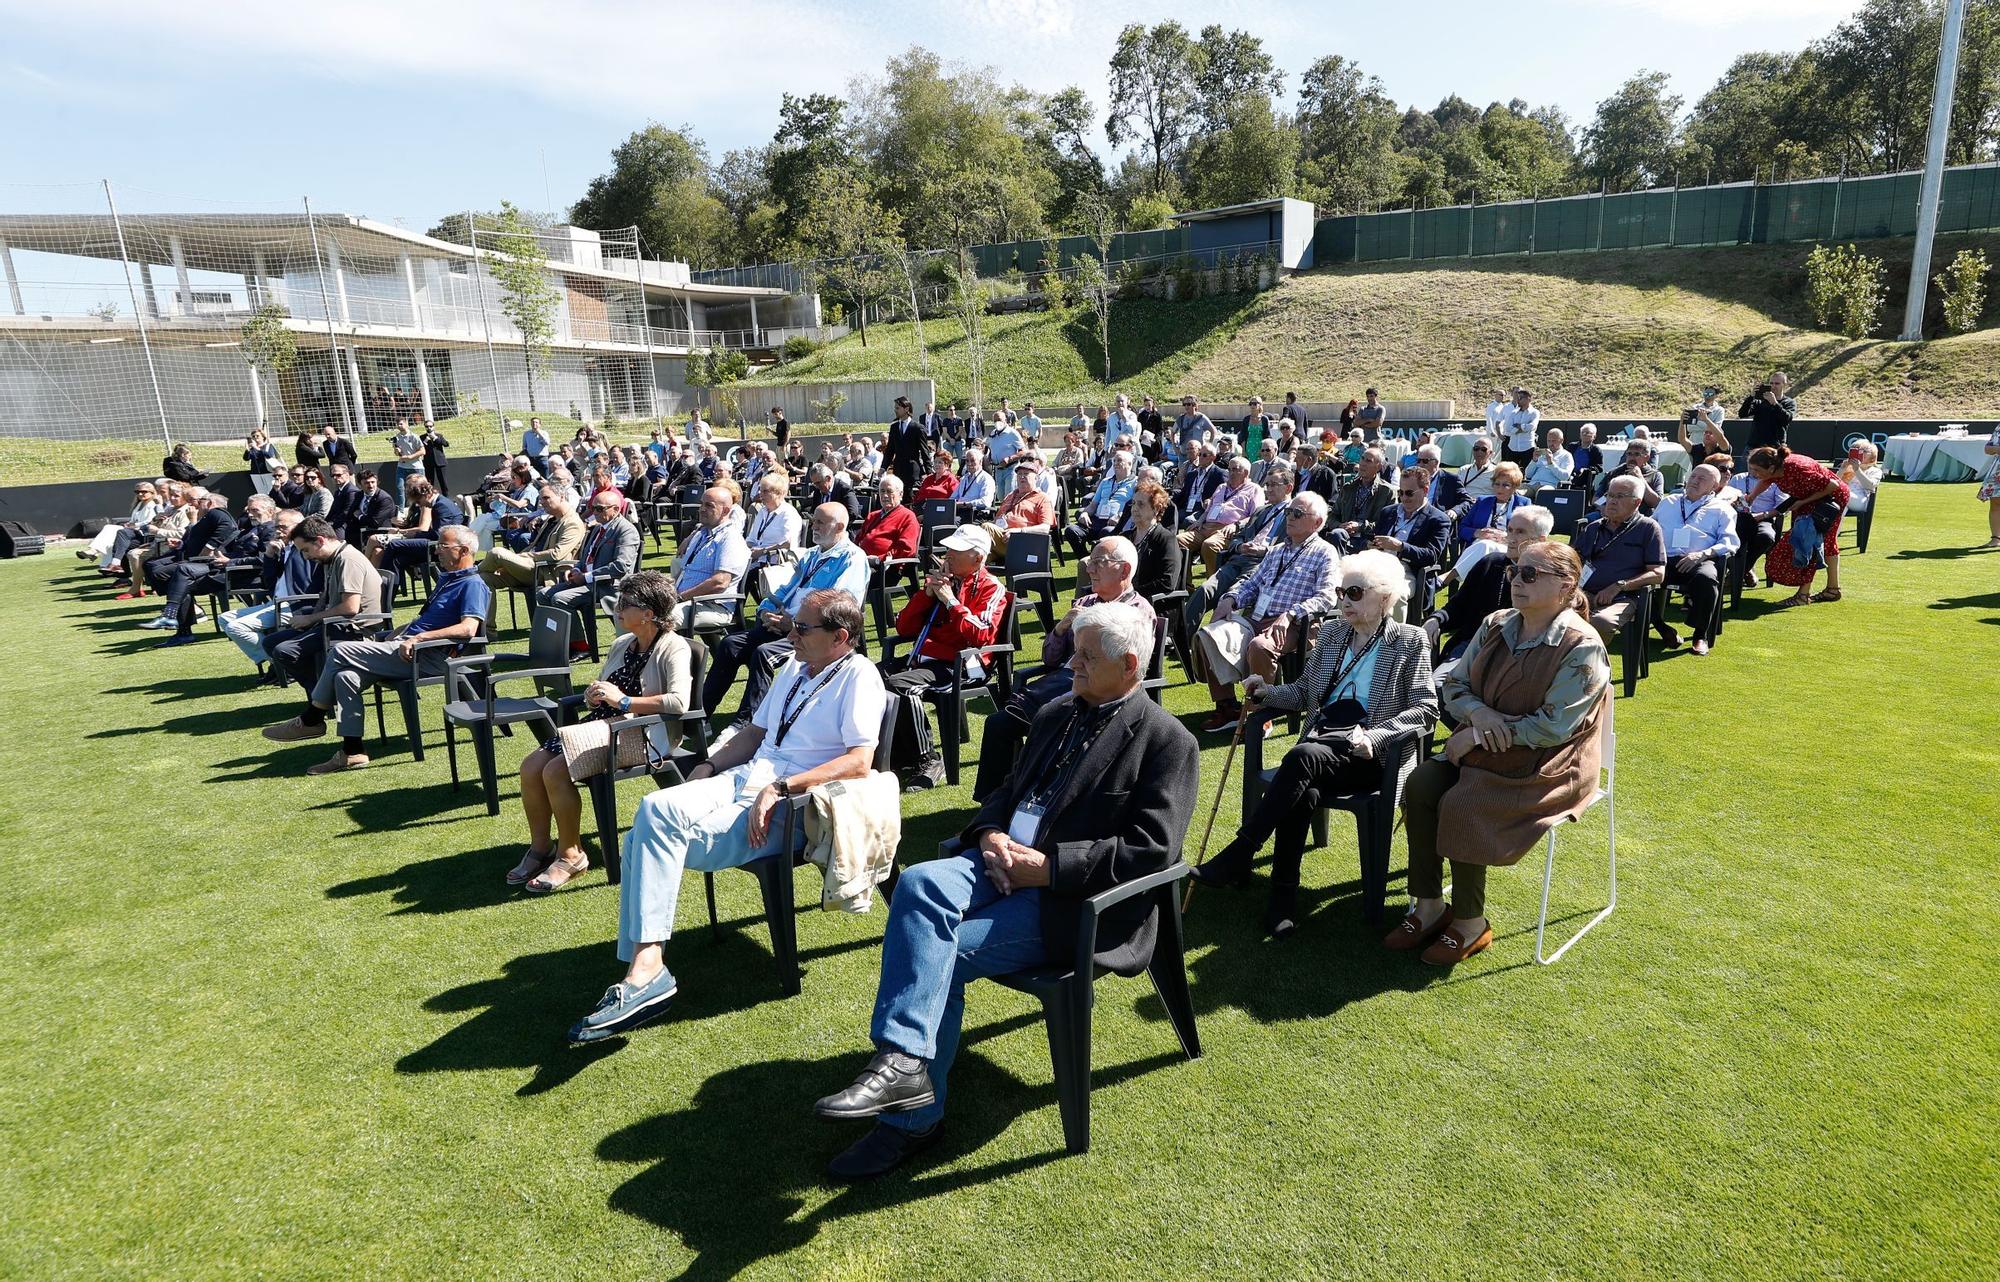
(266, 1026)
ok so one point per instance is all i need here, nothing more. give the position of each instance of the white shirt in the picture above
(844, 712)
(1556, 470)
(1496, 414)
(977, 489)
(1522, 427)
(1476, 480)
(779, 526)
(1695, 527)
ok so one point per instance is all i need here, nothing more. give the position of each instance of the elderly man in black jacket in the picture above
(1102, 795)
(175, 574)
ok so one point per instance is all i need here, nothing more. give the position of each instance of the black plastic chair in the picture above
(886, 577)
(1374, 811)
(935, 519)
(1635, 661)
(996, 682)
(1028, 569)
(474, 705)
(407, 688)
(693, 750)
(1864, 520)
(774, 871)
(1068, 995)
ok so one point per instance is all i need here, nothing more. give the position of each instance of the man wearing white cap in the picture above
(958, 609)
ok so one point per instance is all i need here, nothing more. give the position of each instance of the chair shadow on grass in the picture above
(733, 1210)
(216, 721)
(448, 883)
(181, 689)
(1985, 601)
(1939, 554)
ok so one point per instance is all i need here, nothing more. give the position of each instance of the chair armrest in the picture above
(1094, 908)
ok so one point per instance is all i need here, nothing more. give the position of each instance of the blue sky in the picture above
(407, 109)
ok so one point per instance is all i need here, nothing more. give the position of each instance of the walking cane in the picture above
(1229, 761)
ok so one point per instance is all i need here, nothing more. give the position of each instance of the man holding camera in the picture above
(1769, 410)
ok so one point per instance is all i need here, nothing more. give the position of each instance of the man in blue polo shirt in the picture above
(712, 560)
(835, 562)
(457, 609)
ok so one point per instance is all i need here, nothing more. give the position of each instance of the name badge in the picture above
(1026, 823)
(1263, 610)
(1684, 539)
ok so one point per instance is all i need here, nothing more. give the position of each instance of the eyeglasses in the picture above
(1528, 573)
(1351, 591)
(800, 629)
(1481, 449)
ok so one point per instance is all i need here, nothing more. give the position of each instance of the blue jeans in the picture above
(948, 925)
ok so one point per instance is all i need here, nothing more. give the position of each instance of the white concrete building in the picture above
(389, 324)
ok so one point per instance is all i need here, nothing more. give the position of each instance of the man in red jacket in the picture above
(891, 529)
(958, 609)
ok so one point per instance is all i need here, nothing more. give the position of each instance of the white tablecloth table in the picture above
(1937, 458)
(1455, 448)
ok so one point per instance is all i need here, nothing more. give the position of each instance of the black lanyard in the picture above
(1057, 773)
(787, 714)
(1342, 669)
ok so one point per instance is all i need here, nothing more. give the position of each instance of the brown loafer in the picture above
(1412, 933)
(338, 762)
(294, 730)
(1450, 950)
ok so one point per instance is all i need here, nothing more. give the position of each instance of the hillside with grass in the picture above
(1634, 332)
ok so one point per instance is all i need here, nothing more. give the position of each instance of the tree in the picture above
(1875, 73)
(1093, 276)
(453, 227)
(660, 183)
(1630, 145)
(810, 139)
(1742, 118)
(925, 118)
(1155, 92)
(1059, 132)
(1231, 66)
(519, 266)
(853, 240)
(270, 345)
(1252, 156)
(1347, 131)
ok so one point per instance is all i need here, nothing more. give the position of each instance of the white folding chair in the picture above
(1608, 776)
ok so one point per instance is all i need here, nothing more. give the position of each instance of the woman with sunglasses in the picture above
(1528, 699)
(646, 673)
(1369, 678)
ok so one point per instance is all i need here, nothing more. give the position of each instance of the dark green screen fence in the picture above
(1736, 214)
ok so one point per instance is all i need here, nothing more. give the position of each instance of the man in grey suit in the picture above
(610, 552)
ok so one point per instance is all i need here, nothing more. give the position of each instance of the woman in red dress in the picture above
(1805, 483)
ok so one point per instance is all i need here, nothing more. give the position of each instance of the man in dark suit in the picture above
(1416, 533)
(193, 557)
(610, 551)
(1444, 491)
(1314, 477)
(373, 510)
(903, 449)
(1102, 795)
(346, 496)
(338, 448)
(931, 424)
(829, 486)
(1200, 480)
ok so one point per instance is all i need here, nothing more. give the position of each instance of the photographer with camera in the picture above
(1770, 411)
(1701, 431)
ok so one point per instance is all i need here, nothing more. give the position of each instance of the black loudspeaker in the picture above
(16, 539)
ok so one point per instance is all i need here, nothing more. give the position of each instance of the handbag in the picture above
(586, 748)
(1333, 726)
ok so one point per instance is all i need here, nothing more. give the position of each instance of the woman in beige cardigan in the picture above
(645, 673)
(1528, 696)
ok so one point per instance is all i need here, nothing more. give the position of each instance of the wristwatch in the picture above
(783, 785)
(624, 704)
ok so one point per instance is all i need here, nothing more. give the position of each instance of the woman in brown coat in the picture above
(1528, 697)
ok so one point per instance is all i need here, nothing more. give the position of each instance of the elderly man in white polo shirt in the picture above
(819, 723)
(1699, 528)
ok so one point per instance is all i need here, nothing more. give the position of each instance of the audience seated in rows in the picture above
(958, 608)
(1267, 615)
(762, 648)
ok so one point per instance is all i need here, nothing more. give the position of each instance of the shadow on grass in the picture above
(177, 689)
(447, 884)
(1987, 601)
(1938, 554)
(733, 1210)
(219, 721)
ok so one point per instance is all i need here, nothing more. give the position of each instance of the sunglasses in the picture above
(1298, 513)
(1351, 592)
(800, 629)
(1529, 573)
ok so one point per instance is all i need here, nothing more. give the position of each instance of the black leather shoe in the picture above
(1281, 916)
(880, 1151)
(892, 1083)
(1222, 872)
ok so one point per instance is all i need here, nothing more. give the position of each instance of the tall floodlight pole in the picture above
(1927, 198)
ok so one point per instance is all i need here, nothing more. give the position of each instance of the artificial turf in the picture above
(260, 1025)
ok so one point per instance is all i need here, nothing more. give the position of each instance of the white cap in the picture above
(968, 538)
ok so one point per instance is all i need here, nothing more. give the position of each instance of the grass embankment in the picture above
(266, 1025)
(1635, 332)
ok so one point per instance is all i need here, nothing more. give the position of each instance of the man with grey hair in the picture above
(457, 611)
(192, 559)
(1103, 795)
(1270, 612)
(1111, 566)
(1699, 528)
(1623, 552)
(1245, 547)
(975, 493)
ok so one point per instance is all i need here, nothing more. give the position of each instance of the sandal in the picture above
(557, 875)
(1791, 601)
(531, 865)
(1830, 594)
